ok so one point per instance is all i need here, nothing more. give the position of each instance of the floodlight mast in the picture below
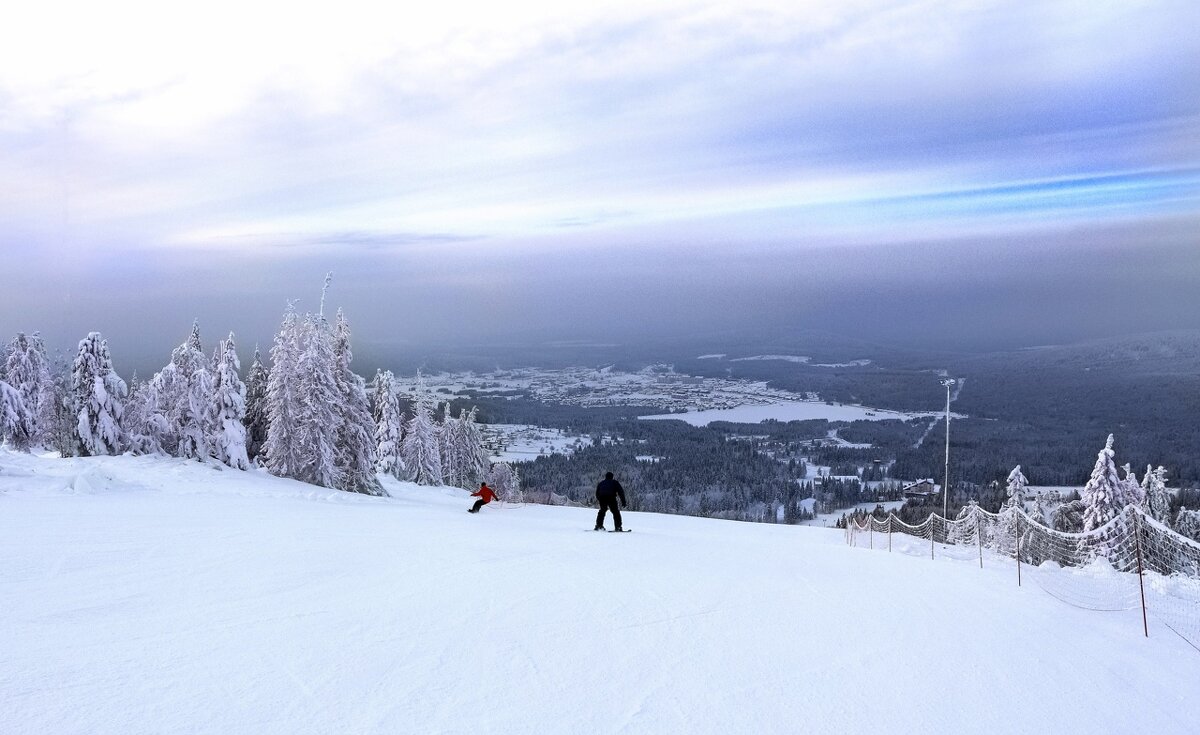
(948, 382)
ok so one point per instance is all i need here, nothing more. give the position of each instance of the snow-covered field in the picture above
(789, 411)
(525, 442)
(143, 595)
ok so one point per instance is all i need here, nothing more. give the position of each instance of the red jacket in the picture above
(486, 493)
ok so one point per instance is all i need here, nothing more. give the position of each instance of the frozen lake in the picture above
(789, 411)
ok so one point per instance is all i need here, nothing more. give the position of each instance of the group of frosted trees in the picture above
(308, 417)
(1108, 491)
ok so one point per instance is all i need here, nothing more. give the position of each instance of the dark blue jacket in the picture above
(609, 489)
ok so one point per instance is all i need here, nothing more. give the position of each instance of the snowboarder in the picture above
(607, 493)
(485, 495)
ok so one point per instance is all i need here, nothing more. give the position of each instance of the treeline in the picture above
(308, 416)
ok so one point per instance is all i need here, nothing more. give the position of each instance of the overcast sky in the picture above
(954, 172)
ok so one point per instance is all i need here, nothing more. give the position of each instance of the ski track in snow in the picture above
(939, 419)
(159, 595)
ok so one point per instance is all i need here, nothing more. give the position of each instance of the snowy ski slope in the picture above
(142, 595)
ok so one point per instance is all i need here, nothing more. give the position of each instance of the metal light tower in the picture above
(948, 382)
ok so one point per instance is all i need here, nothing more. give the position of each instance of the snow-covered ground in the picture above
(790, 411)
(143, 595)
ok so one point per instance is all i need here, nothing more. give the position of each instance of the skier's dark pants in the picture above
(478, 504)
(607, 504)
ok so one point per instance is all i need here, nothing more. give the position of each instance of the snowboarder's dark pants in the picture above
(478, 504)
(607, 504)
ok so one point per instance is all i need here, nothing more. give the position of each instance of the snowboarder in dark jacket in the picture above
(607, 493)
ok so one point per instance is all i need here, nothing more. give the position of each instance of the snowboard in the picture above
(623, 530)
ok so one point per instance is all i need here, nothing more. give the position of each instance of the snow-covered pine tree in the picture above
(475, 456)
(1038, 513)
(183, 392)
(16, 423)
(96, 399)
(229, 439)
(504, 479)
(389, 429)
(59, 418)
(1017, 487)
(1068, 517)
(256, 407)
(144, 425)
(283, 445)
(319, 406)
(196, 438)
(448, 448)
(464, 459)
(376, 395)
(1156, 501)
(356, 451)
(420, 445)
(1187, 523)
(27, 370)
(1103, 495)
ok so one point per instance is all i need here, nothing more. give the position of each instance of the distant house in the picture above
(920, 489)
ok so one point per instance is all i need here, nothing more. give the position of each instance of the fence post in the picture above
(871, 531)
(889, 533)
(979, 538)
(1018, 554)
(1137, 537)
(931, 535)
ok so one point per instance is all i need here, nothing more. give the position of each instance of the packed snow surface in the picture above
(144, 595)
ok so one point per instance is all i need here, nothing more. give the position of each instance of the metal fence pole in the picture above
(1137, 537)
(1018, 535)
(979, 538)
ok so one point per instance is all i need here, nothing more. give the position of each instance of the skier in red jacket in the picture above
(485, 495)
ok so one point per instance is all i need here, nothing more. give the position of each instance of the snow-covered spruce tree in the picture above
(1106, 493)
(319, 406)
(256, 407)
(229, 439)
(283, 445)
(464, 459)
(1156, 501)
(1018, 486)
(16, 423)
(183, 395)
(356, 431)
(389, 429)
(475, 456)
(27, 370)
(96, 399)
(1134, 495)
(506, 482)
(1008, 522)
(1068, 517)
(144, 425)
(1187, 523)
(420, 446)
(449, 434)
(196, 438)
(59, 417)
(377, 389)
